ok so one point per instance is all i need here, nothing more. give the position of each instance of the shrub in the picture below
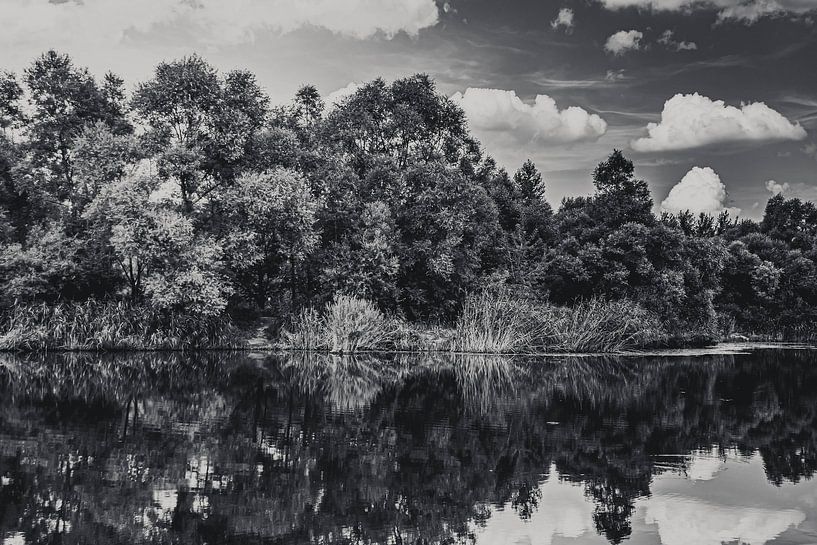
(596, 325)
(354, 324)
(348, 324)
(307, 331)
(493, 323)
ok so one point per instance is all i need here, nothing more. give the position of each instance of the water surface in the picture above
(685, 449)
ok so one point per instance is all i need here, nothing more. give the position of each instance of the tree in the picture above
(157, 250)
(10, 95)
(366, 264)
(203, 125)
(270, 231)
(64, 100)
(407, 121)
(529, 180)
(308, 107)
(449, 231)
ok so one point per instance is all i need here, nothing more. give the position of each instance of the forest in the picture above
(191, 206)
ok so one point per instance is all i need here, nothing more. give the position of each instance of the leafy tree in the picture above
(366, 265)
(157, 250)
(407, 121)
(448, 231)
(203, 124)
(10, 96)
(64, 100)
(270, 231)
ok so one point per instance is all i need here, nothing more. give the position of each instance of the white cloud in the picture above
(210, 21)
(796, 190)
(776, 188)
(700, 190)
(744, 10)
(682, 521)
(668, 39)
(691, 121)
(336, 97)
(495, 110)
(564, 19)
(623, 41)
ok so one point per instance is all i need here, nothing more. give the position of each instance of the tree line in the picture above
(194, 194)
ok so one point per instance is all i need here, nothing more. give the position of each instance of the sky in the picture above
(715, 101)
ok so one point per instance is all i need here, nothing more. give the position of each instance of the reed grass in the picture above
(97, 326)
(596, 325)
(496, 323)
(348, 324)
(492, 322)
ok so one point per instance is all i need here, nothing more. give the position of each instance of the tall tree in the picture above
(64, 99)
(202, 124)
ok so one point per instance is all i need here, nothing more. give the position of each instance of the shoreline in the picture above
(719, 348)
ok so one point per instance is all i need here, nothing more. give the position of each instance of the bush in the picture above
(348, 324)
(493, 323)
(596, 325)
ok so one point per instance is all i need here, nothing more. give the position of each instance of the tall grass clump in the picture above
(596, 325)
(347, 324)
(493, 322)
(354, 324)
(307, 331)
(94, 325)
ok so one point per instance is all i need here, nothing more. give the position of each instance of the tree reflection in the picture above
(309, 448)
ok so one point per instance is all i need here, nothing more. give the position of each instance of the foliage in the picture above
(494, 322)
(270, 230)
(346, 325)
(93, 325)
(194, 196)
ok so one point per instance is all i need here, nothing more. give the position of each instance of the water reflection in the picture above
(309, 448)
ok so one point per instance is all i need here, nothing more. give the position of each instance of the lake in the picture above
(688, 448)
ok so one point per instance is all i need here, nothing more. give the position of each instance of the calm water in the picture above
(213, 449)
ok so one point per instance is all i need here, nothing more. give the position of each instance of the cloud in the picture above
(564, 19)
(338, 95)
(743, 10)
(699, 191)
(623, 41)
(668, 39)
(691, 121)
(209, 21)
(776, 188)
(615, 75)
(803, 191)
(495, 110)
(685, 520)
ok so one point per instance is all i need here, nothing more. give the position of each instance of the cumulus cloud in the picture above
(211, 21)
(668, 39)
(797, 190)
(700, 190)
(564, 19)
(623, 41)
(776, 188)
(743, 10)
(691, 121)
(685, 520)
(495, 110)
(336, 97)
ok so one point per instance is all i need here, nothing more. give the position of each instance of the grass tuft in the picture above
(347, 325)
(97, 326)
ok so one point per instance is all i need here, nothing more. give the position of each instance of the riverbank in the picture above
(488, 324)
